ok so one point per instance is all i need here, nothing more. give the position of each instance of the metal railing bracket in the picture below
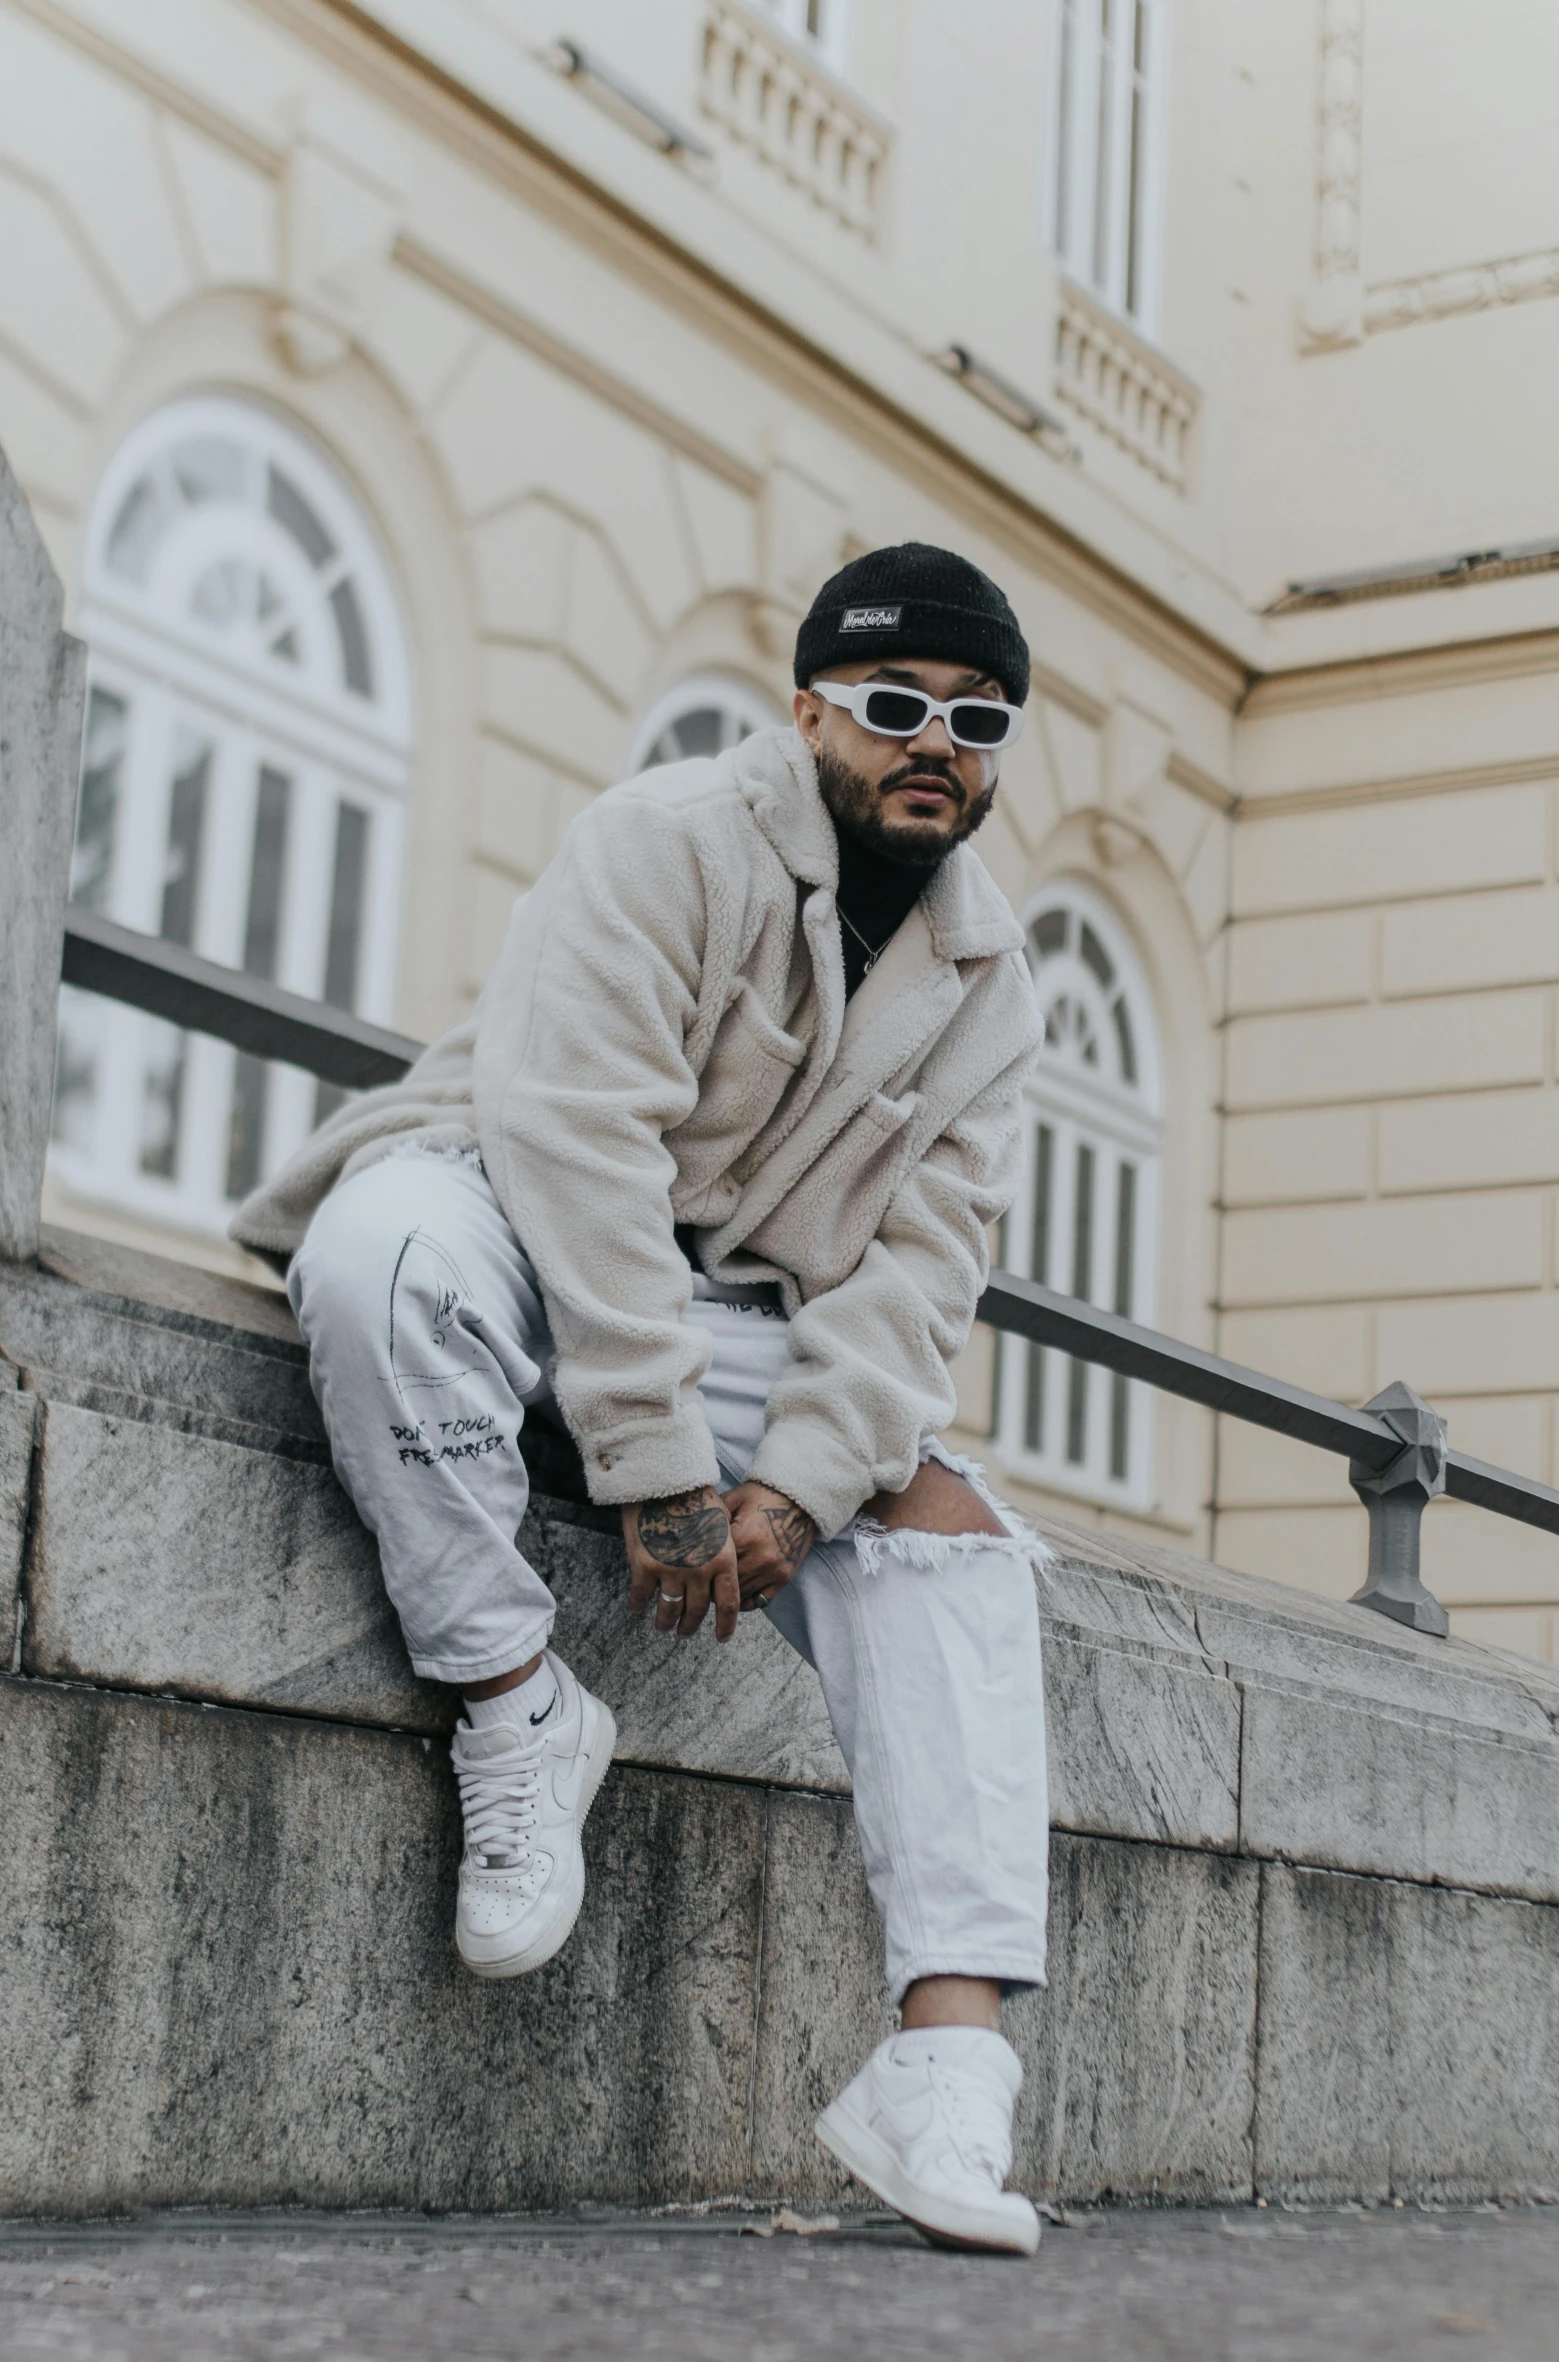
(1396, 1497)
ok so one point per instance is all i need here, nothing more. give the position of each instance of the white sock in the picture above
(527, 1707)
(955, 2046)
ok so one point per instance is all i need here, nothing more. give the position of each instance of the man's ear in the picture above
(808, 711)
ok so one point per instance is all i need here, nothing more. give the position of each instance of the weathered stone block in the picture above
(1139, 2057)
(44, 673)
(1345, 1785)
(162, 1561)
(1144, 1729)
(165, 1361)
(822, 2002)
(1139, 1745)
(1408, 2040)
(229, 1978)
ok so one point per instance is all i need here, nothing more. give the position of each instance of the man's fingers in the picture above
(670, 1597)
(727, 1602)
(682, 1594)
(695, 1599)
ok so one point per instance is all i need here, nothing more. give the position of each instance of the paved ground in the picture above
(1229, 2286)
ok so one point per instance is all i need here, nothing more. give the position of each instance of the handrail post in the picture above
(1396, 1497)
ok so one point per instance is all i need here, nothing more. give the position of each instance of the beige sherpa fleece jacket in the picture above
(665, 1039)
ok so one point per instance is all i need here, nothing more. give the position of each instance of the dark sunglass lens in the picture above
(898, 711)
(980, 723)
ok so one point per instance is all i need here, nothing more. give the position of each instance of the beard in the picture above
(855, 804)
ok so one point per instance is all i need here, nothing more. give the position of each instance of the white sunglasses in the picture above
(903, 713)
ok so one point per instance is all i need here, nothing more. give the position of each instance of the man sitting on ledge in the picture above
(708, 1175)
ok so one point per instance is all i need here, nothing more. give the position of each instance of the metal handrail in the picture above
(124, 965)
(1398, 1459)
(1025, 1309)
(1397, 1455)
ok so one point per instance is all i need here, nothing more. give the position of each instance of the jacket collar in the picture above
(968, 916)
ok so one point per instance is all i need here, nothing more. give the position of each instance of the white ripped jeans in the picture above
(428, 1342)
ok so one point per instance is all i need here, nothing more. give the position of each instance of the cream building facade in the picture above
(436, 410)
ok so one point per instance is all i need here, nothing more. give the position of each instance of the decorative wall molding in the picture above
(1332, 312)
(1338, 309)
(802, 530)
(767, 93)
(341, 215)
(1123, 387)
(1438, 295)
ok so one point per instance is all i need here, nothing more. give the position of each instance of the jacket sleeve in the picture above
(869, 1378)
(580, 1069)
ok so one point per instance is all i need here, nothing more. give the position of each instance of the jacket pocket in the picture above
(751, 1061)
(832, 1212)
(888, 1115)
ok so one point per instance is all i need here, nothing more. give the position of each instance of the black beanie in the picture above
(914, 601)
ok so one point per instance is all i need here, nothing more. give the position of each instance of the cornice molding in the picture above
(1441, 295)
(1455, 665)
(1528, 771)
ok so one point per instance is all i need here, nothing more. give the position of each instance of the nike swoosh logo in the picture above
(545, 1711)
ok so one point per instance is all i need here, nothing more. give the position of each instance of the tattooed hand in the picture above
(681, 1557)
(772, 1537)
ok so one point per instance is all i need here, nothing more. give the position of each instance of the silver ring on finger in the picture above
(672, 1598)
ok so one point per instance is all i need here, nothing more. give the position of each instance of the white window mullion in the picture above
(121, 1084)
(1124, 14)
(136, 900)
(376, 968)
(1108, 70)
(1155, 109)
(229, 843)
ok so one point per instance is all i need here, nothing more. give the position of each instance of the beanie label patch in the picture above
(871, 619)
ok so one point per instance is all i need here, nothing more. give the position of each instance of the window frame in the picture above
(1116, 1127)
(335, 747)
(1097, 254)
(740, 698)
(831, 45)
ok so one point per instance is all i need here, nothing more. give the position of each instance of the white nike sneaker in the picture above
(522, 1876)
(927, 2124)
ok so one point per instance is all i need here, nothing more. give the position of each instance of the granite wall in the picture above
(1305, 1921)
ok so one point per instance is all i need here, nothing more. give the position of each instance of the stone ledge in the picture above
(1187, 1706)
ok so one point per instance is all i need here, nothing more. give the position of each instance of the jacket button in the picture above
(604, 1458)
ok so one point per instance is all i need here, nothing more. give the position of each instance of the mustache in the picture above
(931, 767)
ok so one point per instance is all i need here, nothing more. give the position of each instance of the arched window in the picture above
(1086, 1217)
(700, 716)
(243, 782)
